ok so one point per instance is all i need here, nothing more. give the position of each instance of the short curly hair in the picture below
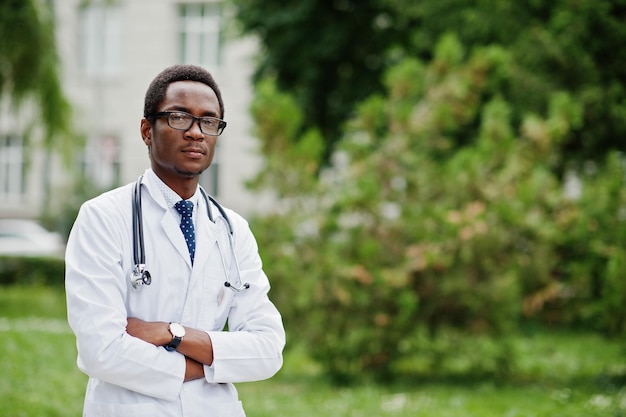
(158, 87)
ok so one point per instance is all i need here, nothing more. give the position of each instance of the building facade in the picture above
(110, 50)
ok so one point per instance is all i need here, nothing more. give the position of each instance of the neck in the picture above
(185, 189)
(184, 186)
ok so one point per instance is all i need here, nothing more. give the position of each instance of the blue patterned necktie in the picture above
(185, 208)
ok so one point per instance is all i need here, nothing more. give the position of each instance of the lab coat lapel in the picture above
(207, 233)
(175, 236)
(169, 223)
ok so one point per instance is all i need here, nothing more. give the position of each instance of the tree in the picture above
(29, 70)
(331, 54)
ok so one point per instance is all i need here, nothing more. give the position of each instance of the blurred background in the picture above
(436, 187)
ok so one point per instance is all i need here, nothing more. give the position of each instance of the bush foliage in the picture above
(402, 242)
(32, 271)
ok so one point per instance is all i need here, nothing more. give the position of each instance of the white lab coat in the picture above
(128, 376)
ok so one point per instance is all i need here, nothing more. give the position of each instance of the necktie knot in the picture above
(185, 208)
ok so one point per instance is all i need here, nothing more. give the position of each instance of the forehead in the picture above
(192, 96)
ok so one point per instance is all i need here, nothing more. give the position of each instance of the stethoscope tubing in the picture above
(140, 275)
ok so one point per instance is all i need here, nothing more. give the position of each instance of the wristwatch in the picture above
(178, 332)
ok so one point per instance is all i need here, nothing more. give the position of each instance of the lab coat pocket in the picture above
(119, 410)
(231, 409)
(212, 297)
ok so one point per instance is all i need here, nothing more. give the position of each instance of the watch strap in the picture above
(178, 333)
(173, 344)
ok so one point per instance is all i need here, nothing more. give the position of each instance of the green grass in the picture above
(38, 365)
(560, 375)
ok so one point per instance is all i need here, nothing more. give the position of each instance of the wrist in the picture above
(177, 332)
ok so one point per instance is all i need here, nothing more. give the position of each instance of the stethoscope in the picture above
(141, 276)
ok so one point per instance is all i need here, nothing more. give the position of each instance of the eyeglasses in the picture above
(180, 120)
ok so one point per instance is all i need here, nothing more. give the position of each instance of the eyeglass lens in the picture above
(183, 121)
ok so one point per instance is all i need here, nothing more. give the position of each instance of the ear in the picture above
(146, 131)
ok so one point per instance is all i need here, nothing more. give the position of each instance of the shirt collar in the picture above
(170, 196)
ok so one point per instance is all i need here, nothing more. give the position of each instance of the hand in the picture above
(154, 332)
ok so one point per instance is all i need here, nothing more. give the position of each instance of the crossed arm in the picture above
(196, 345)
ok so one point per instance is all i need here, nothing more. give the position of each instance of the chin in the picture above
(189, 174)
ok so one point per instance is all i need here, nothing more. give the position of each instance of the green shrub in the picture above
(403, 242)
(594, 249)
(32, 270)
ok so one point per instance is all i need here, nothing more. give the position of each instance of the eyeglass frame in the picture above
(220, 127)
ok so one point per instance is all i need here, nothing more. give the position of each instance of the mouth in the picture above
(194, 153)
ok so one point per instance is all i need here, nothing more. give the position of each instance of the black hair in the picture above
(156, 91)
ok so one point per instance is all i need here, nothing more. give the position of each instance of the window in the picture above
(100, 38)
(12, 168)
(210, 178)
(199, 26)
(200, 44)
(102, 161)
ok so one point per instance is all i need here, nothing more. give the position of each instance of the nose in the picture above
(194, 132)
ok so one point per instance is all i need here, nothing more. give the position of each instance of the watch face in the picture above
(177, 330)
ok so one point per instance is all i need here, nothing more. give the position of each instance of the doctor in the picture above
(176, 346)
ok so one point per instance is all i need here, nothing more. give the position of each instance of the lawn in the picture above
(561, 374)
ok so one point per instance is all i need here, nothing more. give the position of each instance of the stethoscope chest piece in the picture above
(140, 276)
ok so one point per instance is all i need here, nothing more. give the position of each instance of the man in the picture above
(158, 346)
